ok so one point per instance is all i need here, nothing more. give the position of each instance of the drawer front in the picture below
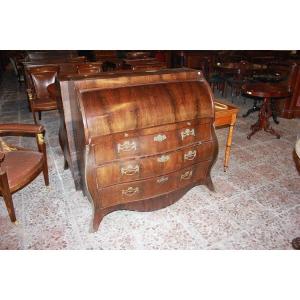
(135, 169)
(197, 153)
(131, 170)
(137, 190)
(191, 134)
(143, 189)
(131, 145)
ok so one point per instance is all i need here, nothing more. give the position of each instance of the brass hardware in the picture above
(40, 138)
(130, 170)
(159, 138)
(162, 179)
(29, 93)
(187, 175)
(5, 147)
(187, 132)
(130, 191)
(190, 155)
(126, 134)
(163, 158)
(126, 146)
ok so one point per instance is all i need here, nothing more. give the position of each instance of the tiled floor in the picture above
(256, 206)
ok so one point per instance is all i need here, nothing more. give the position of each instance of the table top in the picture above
(267, 77)
(223, 107)
(224, 112)
(266, 89)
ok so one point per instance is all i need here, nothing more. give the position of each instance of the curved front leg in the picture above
(98, 216)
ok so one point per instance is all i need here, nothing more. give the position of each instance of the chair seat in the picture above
(45, 104)
(21, 167)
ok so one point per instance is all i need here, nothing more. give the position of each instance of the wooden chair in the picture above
(19, 166)
(89, 68)
(38, 95)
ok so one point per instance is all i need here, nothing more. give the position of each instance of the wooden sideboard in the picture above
(138, 140)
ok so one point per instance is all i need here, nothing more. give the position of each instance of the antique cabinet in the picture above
(138, 140)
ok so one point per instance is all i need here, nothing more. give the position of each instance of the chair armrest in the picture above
(19, 129)
(2, 156)
(30, 94)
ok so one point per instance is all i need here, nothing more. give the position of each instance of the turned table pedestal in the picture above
(267, 91)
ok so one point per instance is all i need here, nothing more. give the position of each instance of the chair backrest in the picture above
(42, 77)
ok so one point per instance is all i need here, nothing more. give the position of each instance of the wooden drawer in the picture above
(129, 145)
(143, 189)
(141, 168)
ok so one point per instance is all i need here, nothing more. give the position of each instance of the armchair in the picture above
(38, 95)
(19, 166)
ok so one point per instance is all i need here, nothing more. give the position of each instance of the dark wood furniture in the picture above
(139, 140)
(267, 91)
(237, 73)
(77, 59)
(19, 166)
(42, 55)
(39, 97)
(290, 107)
(109, 58)
(93, 67)
(225, 115)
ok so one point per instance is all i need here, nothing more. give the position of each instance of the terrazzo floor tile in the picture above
(271, 235)
(255, 206)
(275, 198)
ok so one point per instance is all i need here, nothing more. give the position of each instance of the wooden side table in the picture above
(225, 115)
(267, 91)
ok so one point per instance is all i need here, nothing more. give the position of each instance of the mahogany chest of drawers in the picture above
(140, 141)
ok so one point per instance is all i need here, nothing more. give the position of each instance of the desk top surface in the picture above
(264, 89)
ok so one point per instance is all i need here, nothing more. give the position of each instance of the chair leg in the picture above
(45, 166)
(40, 115)
(66, 165)
(42, 149)
(7, 197)
(34, 116)
(45, 173)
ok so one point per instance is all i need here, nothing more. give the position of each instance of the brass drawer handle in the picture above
(163, 158)
(130, 191)
(130, 170)
(187, 132)
(126, 146)
(159, 138)
(190, 155)
(187, 175)
(162, 179)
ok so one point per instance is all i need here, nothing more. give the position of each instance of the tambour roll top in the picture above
(108, 111)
